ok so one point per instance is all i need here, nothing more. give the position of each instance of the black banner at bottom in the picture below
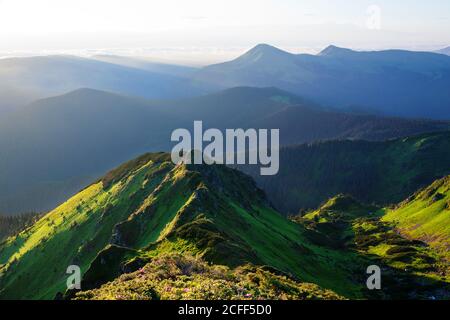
(227, 309)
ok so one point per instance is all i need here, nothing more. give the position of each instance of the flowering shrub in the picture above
(172, 277)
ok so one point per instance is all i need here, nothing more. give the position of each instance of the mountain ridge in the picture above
(43, 76)
(340, 77)
(77, 123)
(333, 50)
(383, 172)
(148, 207)
(445, 51)
(149, 213)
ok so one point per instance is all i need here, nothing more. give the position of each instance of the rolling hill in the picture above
(27, 79)
(148, 65)
(53, 147)
(373, 172)
(391, 82)
(298, 119)
(411, 268)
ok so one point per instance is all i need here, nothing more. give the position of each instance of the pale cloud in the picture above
(216, 27)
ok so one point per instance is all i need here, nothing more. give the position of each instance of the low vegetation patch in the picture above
(177, 276)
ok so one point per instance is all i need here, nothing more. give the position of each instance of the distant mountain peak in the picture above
(265, 47)
(445, 50)
(333, 50)
(81, 93)
(86, 90)
(264, 50)
(247, 89)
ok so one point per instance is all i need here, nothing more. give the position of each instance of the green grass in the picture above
(34, 262)
(149, 208)
(426, 215)
(411, 268)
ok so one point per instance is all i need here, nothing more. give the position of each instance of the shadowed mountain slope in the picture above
(81, 135)
(31, 78)
(373, 172)
(391, 82)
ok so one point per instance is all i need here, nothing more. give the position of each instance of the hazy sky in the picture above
(220, 27)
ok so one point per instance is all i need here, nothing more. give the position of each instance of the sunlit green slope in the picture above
(426, 215)
(411, 269)
(148, 208)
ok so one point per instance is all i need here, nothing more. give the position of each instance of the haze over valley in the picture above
(92, 94)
